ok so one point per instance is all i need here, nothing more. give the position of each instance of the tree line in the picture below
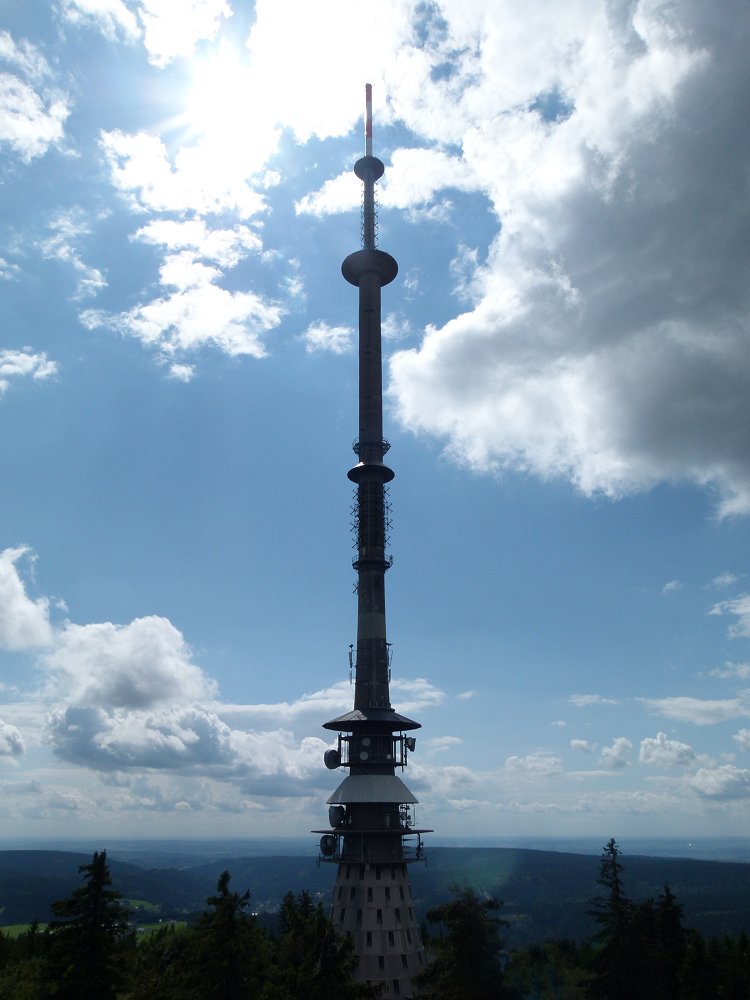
(89, 951)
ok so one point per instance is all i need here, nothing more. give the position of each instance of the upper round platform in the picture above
(363, 262)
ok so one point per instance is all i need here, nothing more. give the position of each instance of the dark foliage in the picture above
(641, 950)
(466, 960)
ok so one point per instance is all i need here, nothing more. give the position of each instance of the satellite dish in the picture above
(336, 815)
(332, 759)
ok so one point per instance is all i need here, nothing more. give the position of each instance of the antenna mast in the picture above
(372, 836)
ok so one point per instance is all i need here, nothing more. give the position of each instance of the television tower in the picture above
(372, 836)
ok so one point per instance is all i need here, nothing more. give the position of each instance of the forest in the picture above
(91, 950)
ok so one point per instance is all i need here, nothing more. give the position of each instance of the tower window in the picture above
(369, 939)
(377, 871)
(352, 894)
(361, 872)
(398, 914)
(391, 942)
(404, 962)
(359, 917)
(380, 916)
(401, 890)
(408, 936)
(381, 961)
(369, 894)
(396, 986)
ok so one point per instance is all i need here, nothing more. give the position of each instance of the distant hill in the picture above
(546, 893)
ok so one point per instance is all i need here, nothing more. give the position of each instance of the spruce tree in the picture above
(87, 936)
(466, 960)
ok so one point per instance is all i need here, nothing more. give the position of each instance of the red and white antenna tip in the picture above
(368, 119)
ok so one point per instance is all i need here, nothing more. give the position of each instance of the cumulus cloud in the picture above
(11, 741)
(742, 739)
(607, 345)
(24, 622)
(322, 337)
(740, 608)
(196, 181)
(24, 363)
(671, 587)
(172, 738)
(663, 752)
(722, 782)
(539, 764)
(32, 110)
(616, 755)
(139, 665)
(196, 311)
(702, 712)
(171, 30)
(197, 314)
(582, 745)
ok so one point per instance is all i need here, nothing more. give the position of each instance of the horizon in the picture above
(567, 375)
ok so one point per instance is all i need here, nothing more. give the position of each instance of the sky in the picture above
(567, 367)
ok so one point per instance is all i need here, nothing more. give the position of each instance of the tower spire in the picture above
(373, 836)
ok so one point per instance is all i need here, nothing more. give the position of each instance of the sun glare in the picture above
(235, 127)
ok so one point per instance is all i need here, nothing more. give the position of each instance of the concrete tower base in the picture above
(373, 903)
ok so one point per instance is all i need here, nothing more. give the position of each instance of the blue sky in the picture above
(567, 402)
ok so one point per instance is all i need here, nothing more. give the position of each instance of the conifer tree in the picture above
(87, 935)
(466, 960)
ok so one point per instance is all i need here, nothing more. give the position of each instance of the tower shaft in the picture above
(372, 836)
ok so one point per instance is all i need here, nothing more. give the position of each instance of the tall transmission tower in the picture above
(372, 836)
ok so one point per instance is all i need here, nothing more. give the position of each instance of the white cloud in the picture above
(14, 364)
(467, 695)
(140, 665)
(616, 755)
(663, 752)
(740, 607)
(32, 111)
(200, 180)
(225, 247)
(198, 314)
(539, 764)
(321, 337)
(112, 17)
(415, 695)
(582, 745)
(607, 346)
(723, 782)
(585, 700)
(671, 587)
(11, 741)
(171, 30)
(723, 580)
(441, 744)
(181, 373)
(741, 671)
(742, 739)
(67, 228)
(24, 622)
(702, 712)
